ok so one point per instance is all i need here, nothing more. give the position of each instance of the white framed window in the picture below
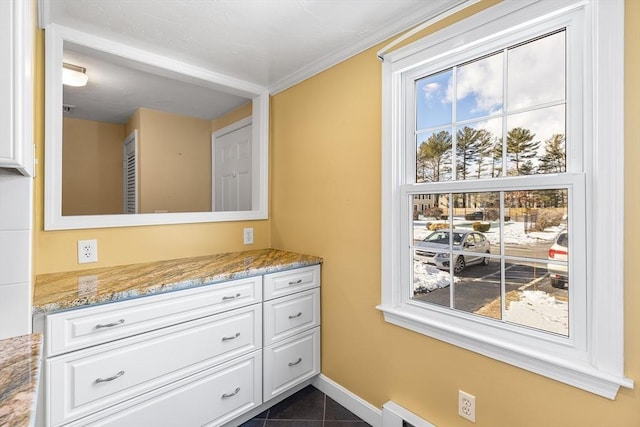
(510, 122)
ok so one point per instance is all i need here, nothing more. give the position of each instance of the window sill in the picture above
(575, 373)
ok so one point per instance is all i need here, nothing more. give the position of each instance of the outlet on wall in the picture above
(248, 236)
(87, 251)
(467, 406)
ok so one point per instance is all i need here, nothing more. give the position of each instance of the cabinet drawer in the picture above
(77, 329)
(290, 362)
(89, 380)
(287, 316)
(291, 281)
(210, 398)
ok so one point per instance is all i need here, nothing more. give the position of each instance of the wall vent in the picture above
(394, 415)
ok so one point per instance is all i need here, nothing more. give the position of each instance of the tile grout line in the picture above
(324, 409)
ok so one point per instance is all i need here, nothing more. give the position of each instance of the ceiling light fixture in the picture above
(74, 75)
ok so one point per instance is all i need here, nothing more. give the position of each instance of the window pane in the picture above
(477, 285)
(433, 156)
(479, 212)
(536, 142)
(537, 216)
(433, 100)
(428, 215)
(479, 88)
(535, 303)
(479, 150)
(536, 72)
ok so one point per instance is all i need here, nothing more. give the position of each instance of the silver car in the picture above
(434, 249)
(559, 251)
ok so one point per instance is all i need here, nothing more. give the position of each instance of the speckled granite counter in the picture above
(62, 291)
(20, 363)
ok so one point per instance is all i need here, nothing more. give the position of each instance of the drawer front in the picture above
(210, 398)
(291, 281)
(87, 381)
(290, 362)
(86, 327)
(290, 315)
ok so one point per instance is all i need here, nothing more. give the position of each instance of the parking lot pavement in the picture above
(480, 284)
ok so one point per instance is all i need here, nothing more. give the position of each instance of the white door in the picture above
(232, 170)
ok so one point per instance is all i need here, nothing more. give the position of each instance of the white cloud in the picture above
(483, 80)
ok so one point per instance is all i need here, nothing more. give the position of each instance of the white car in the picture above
(559, 251)
(434, 249)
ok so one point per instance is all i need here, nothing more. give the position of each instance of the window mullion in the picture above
(505, 108)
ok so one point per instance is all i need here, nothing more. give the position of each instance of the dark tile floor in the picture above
(307, 408)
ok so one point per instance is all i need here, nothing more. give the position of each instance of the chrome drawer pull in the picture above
(295, 316)
(231, 338)
(231, 297)
(227, 395)
(297, 362)
(110, 325)
(297, 282)
(104, 380)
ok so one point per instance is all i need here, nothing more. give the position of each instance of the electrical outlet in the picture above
(248, 236)
(87, 251)
(467, 406)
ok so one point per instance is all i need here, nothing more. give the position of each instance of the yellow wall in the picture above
(325, 171)
(174, 161)
(232, 117)
(92, 167)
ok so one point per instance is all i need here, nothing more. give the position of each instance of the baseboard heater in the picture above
(394, 415)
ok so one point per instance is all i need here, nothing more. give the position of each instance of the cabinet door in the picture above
(291, 361)
(87, 381)
(86, 327)
(210, 398)
(291, 281)
(16, 86)
(290, 315)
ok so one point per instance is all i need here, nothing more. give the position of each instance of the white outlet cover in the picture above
(87, 251)
(467, 406)
(248, 236)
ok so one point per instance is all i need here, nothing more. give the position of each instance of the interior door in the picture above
(232, 170)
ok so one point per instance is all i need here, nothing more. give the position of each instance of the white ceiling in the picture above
(271, 43)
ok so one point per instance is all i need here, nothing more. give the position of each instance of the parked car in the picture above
(559, 251)
(474, 216)
(435, 250)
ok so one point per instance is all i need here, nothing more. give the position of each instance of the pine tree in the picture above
(554, 159)
(520, 148)
(467, 140)
(496, 158)
(433, 155)
(483, 148)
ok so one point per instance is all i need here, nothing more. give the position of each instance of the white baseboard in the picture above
(352, 402)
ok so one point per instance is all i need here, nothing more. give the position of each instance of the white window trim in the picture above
(595, 363)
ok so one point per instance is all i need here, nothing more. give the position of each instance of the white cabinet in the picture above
(105, 375)
(200, 356)
(16, 85)
(210, 398)
(291, 329)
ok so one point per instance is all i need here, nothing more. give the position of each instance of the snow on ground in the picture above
(540, 310)
(427, 277)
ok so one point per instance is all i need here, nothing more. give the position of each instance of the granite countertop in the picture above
(20, 364)
(63, 291)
